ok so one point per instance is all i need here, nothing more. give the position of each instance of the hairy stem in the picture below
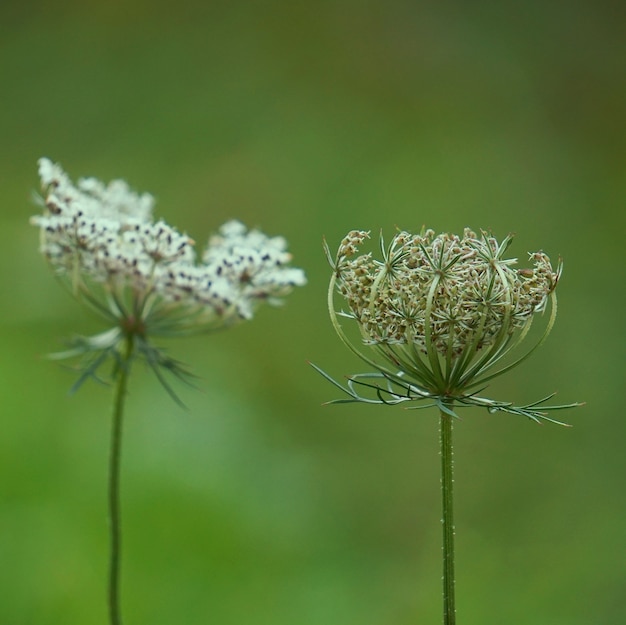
(447, 520)
(115, 529)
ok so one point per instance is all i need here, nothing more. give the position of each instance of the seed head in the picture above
(438, 315)
(443, 292)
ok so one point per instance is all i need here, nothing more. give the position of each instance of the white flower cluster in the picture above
(94, 233)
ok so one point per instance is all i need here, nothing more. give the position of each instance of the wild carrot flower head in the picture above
(438, 314)
(142, 275)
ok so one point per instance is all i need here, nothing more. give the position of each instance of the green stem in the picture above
(449, 612)
(114, 485)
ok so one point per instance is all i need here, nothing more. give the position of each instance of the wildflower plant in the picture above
(438, 318)
(142, 278)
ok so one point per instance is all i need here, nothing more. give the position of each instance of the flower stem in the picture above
(449, 611)
(114, 484)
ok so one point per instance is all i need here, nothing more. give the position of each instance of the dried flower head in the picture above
(440, 314)
(142, 276)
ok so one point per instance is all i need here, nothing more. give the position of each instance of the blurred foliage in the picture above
(307, 120)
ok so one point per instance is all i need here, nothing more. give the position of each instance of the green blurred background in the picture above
(260, 505)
